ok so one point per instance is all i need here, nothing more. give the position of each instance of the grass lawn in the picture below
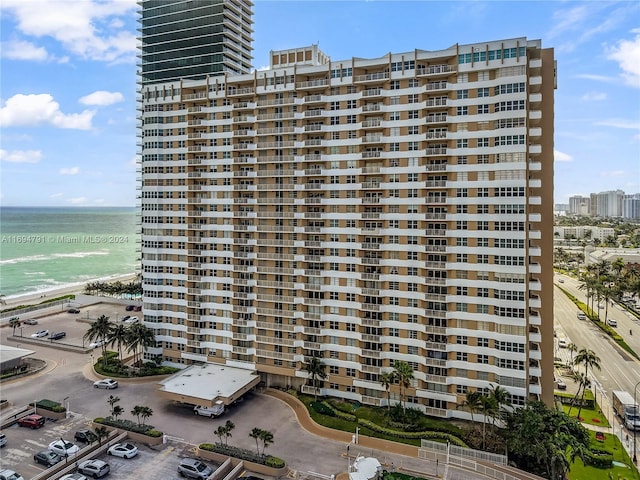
(588, 415)
(611, 443)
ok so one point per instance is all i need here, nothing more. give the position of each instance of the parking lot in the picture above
(151, 462)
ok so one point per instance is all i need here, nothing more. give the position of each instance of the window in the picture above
(463, 110)
(483, 142)
(483, 92)
(461, 94)
(462, 356)
(482, 109)
(413, 98)
(462, 143)
(394, 116)
(395, 85)
(413, 114)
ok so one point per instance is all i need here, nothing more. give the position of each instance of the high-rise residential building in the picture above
(194, 39)
(631, 207)
(363, 211)
(579, 205)
(607, 204)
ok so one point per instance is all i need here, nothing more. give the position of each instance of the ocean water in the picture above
(43, 248)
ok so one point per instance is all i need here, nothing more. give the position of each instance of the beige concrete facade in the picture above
(363, 211)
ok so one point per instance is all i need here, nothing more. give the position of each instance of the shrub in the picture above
(339, 413)
(50, 405)
(599, 458)
(242, 454)
(130, 426)
(416, 435)
(323, 408)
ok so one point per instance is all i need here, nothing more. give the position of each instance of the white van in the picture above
(215, 411)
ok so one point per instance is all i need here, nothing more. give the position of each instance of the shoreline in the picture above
(36, 297)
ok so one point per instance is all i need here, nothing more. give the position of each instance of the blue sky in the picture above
(67, 92)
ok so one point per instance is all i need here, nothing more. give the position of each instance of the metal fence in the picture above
(32, 308)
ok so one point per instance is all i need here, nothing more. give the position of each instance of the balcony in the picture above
(373, 92)
(372, 77)
(436, 70)
(320, 83)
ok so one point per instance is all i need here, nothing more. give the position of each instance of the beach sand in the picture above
(35, 298)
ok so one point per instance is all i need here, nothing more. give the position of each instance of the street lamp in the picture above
(635, 428)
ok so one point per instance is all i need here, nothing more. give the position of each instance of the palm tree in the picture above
(583, 382)
(386, 380)
(471, 403)
(403, 373)
(255, 434)
(137, 411)
(488, 408)
(267, 439)
(14, 322)
(100, 330)
(228, 427)
(572, 347)
(316, 369)
(117, 411)
(501, 397)
(119, 337)
(112, 402)
(220, 432)
(140, 337)
(588, 358)
(145, 413)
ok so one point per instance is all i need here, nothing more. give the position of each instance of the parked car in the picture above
(3, 440)
(561, 385)
(64, 448)
(47, 458)
(40, 334)
(581, 315)
(612, 323)
(562, 343)
(85, 436)
(124, 450)
(10, 475)
(125, 318)
(561, 280)
(129, 308)
(58, 335)
(131, 320)
(107, 383)
(30, 321)
(32, 421)
(97, 343)
(192, 468)
(73, 476)
(94, 468)
(73, 310)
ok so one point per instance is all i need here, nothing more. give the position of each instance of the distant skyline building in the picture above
(631, 207)
(362, 211)
(609, 204)
(194, 39)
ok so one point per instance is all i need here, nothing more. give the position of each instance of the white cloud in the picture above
(627, 54)
(90, 29)
(618, 123)
(612, 173)
(38, 109)
(561, 156)
(594, 96)
(21, 156)
(77, 200)
(597, 78)
(56, 195)
(69, 171)
(21, 50)
(102, 98)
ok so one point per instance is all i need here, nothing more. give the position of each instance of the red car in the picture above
(32, 421)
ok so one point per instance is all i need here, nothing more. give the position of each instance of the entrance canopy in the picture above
(208, 383)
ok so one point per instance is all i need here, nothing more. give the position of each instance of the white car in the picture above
(131, 320)
(562, 343)
(64, 448)
(10, 475)
(97, 343)
(107, 383)
(124, 450)
(74, 476)
(40, 334)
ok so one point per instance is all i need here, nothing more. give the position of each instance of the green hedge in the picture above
(130, 426)
(599, 458)
(50, 405)
(415, 435)
(242, 454)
